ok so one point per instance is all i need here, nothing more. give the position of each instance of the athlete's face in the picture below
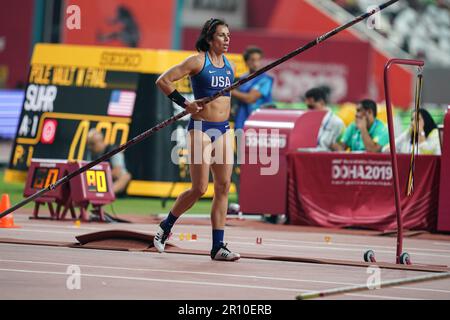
(254, 62)
(221, 39)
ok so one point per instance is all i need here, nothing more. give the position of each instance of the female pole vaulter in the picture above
(210, 141)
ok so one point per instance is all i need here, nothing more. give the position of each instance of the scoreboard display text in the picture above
(96, 181)
(94, 185)
(42, 174)
(44, 177)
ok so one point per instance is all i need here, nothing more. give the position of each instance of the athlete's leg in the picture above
(200, 159)
(199, 154)
(221, 168)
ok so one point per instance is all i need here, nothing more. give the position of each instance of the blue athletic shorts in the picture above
(213, 129)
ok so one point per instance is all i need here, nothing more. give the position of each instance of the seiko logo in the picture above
(116, 59)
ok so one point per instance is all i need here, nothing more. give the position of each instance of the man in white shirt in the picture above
(332, 126)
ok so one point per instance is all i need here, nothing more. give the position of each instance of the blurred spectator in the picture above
(255, 93)
(129, 34)
(429, 142)
(332, 126)
(97, 148)
(367, 133)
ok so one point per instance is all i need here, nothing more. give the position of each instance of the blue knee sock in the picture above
(169, 222)
(217, 238)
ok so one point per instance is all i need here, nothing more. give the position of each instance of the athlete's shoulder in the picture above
(195, 62)
(196, 59)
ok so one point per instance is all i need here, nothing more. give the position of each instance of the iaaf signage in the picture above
(361, 172)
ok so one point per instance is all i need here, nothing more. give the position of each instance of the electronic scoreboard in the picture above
(41, 174)
(92, 187)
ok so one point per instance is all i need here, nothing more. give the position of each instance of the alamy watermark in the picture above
(73, 281)
(254, 146)
(374, 21)
(374, 279)
(73, 19)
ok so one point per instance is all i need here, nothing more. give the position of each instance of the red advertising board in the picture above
(355, 190)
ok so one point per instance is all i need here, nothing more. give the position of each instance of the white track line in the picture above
(321, 246)
(328, 247)
(86, 226)
(204, 283)
(183, 256)
(40, 231)
(442, 244)
(380, 297)
(177, 272)
(342, 249)
(210, 274)
(344, 244)
(252, 238)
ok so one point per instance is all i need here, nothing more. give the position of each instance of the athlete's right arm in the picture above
(165, 82)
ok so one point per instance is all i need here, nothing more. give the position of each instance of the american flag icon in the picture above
(121, 103)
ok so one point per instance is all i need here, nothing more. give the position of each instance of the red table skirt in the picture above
(356, 190)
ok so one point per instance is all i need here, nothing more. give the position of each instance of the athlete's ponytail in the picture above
(209, 28)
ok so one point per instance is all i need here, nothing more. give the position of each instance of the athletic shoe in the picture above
(222, 253)
(161, 236)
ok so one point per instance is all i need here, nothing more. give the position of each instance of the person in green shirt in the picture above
(367, 133)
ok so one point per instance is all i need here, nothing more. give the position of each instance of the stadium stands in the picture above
(422, 28)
